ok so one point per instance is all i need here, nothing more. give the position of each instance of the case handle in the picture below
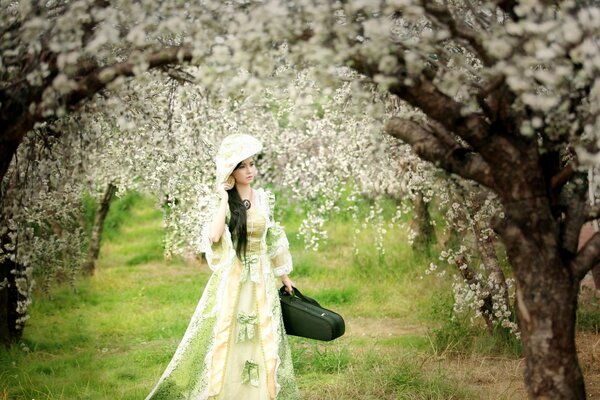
(297, 293)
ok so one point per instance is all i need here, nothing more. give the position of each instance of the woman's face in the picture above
(245, 172)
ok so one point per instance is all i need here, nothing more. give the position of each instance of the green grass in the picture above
(456, 335)
(112, 335)
(119, 213)
(371, 371)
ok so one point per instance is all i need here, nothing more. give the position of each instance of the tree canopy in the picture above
(503, 94)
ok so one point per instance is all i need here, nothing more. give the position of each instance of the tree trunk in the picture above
(547, 314)
(8, 148)
(487, 251)
(586, 233)
(101, 212)
(541, 245)
(596, 276)
(470, 277)
(421, 224)
(9, 296)
(546, 300)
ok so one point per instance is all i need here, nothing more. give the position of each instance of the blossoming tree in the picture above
(508, 88)
(503, 93)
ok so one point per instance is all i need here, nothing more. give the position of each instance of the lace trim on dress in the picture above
(285, 269)
(217, 254)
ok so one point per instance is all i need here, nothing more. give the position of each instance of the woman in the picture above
(235, 347)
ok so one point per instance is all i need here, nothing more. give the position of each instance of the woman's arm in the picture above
(278, 248)
(218, 223)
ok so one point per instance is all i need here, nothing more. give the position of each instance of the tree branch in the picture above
(455, 159)
(17, 118)
(438, 130)
(445, 17)
(424, 95)
(99, 79)
(179, 75)
(493, 85)
(587, 258)
(560, 179)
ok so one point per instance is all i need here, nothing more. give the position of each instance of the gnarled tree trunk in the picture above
(543, 216)
(546, 301)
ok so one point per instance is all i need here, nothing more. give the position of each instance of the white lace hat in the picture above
(234, 149)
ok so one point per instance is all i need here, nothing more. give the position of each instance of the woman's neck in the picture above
(245, 191)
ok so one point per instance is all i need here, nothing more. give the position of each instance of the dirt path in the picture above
(381, 328)
(493, 378)
(588, 349)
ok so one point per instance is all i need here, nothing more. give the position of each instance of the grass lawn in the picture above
(111, 336)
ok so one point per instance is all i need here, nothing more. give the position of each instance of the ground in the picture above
(491, 377)
(111, 335)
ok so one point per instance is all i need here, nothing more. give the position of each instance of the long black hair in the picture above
(237, 222)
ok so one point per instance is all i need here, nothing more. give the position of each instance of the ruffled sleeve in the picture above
(278, 246)
(221, 253)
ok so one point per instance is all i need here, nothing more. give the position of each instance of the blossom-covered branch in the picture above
(72, 92)
(456, 159)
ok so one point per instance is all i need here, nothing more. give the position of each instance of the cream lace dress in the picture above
(235, 347)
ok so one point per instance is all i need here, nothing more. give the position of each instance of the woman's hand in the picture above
(287, 283)
(222, 191)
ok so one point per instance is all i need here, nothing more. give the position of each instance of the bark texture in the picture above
(421, 224)
(101, 212)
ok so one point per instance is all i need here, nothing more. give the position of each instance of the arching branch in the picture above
(453, 158)
(13, 128)
(587, 258)
(447, 111)
(99, 79)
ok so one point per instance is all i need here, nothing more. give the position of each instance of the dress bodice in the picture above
(255, 226)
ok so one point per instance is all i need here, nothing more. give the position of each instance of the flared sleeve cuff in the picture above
(282, 263)
(278, 246)
(220, 253)
(217, 254)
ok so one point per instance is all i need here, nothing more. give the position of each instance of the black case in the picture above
(303, 316)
